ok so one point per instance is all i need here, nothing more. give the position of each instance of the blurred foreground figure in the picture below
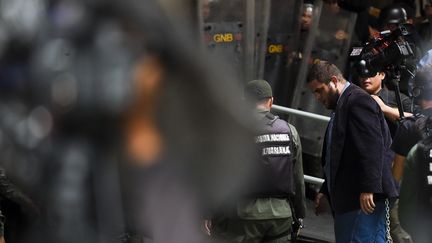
(126, 128)
(17, 207)
(265, 211)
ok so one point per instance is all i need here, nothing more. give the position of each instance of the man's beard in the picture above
(333, 99)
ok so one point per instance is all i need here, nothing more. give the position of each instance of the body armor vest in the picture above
(276, 158)
(424, 176)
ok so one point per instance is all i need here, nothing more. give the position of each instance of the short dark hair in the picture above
(423, 81)
(322, 71)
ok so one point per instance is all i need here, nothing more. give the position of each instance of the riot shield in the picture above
(329, 39)
(222, 24)
(333, 37)
(234, 33)
(282, 40)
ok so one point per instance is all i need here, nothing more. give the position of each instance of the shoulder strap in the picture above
(293, 145)
(272, 118)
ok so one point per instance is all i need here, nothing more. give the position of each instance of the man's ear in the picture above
(333, 81)
(270, 102)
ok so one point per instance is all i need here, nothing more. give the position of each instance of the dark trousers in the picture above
(252, 231)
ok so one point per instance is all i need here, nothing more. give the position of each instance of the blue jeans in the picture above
(356, 226)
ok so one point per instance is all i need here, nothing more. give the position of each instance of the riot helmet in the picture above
(392, 15)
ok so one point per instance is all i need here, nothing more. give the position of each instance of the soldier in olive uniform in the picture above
(264, 213)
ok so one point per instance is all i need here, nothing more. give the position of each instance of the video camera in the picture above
(383, 53)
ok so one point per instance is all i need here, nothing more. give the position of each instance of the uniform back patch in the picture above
(281, 150)
(281, 137)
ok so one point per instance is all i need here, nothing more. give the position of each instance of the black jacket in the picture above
(360, 152)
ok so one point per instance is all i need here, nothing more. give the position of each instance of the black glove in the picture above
(297, 225)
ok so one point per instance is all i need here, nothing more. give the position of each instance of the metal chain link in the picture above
(387, 208)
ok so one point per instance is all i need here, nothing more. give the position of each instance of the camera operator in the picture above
(386, 99)
(388, 104)
(416, 186)
(408, 133)
(389, 54)
(390, 18)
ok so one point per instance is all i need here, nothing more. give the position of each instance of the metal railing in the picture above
(290, 111)
(286, 110)
(313, 180)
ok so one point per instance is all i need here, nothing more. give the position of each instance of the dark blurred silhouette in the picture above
(130, 133)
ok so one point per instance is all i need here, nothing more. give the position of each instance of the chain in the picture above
(387, 208)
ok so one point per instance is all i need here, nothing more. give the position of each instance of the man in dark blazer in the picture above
(356, 157)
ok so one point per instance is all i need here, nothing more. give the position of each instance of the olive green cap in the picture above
(258, 90)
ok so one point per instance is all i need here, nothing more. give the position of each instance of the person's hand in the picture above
(207, 226)
(319, 205)
(2, 239)
(297, 226)
(367, 204)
